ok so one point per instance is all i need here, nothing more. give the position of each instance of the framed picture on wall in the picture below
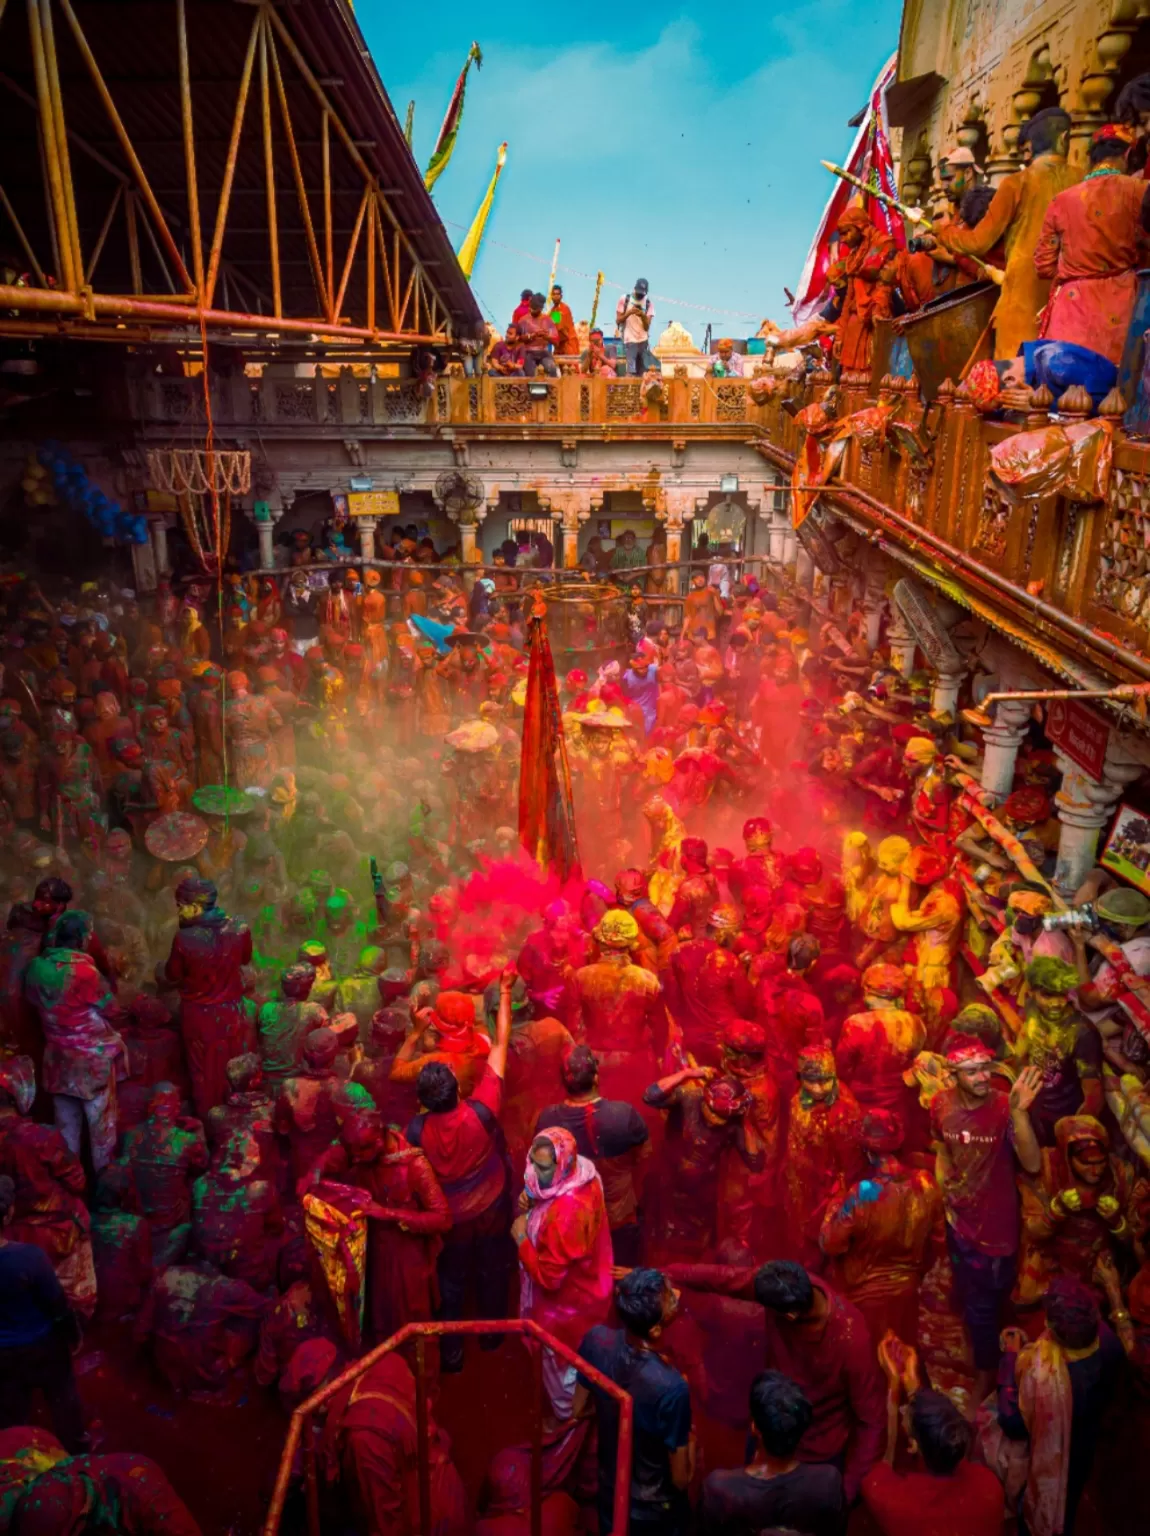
(1127, 851)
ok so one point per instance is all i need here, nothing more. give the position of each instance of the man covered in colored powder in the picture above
(205, 966)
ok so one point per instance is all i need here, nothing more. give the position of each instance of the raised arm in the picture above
(497, 1060)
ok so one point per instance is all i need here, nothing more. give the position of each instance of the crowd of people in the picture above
(297, 1046)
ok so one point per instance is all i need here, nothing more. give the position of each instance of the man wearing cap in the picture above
(960, 172)
(633, 316)
(979, 1137)
(205, 966)
(1124, 916)
(875, 1048)
(886, 1230)
(725, 362)
(1017, 214)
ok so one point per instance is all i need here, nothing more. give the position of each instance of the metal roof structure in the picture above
(176, 164)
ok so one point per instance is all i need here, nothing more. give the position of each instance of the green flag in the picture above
(449, 132)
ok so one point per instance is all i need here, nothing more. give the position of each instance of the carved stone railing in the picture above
(1077, 571)
(351, 401)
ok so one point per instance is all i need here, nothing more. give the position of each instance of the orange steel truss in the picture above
(171, 167)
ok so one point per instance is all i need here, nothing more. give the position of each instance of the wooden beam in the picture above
(323, 288)
(194, 233)
(230, 164)
(270, 170)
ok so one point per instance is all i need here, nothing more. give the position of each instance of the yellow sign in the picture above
(373, 503)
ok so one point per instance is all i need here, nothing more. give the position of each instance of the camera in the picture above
(1076, 917)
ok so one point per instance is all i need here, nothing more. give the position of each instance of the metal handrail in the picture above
(300, 1427)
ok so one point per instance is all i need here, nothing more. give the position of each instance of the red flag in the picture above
(870, 159)
(546, 810)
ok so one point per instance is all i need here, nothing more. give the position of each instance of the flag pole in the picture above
(595, 304)
(554, 269)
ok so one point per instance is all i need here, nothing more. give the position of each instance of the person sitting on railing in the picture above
(538, 335)
(506, 357)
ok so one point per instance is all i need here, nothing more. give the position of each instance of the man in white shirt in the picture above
(1124, 915)
(633, 315)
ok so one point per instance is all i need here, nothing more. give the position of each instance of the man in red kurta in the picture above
(875, 1048)
(205, 965)
(1093, 239)
(823, 1148)
(865, 275)
(408, 1212)
(820, 1341)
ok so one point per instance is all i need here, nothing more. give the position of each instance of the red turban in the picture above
(817, 1057)
(1027, 806)
(886, 981)
(806, 865)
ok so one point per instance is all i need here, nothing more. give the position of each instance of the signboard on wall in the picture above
(1080, 733)
(373, 503)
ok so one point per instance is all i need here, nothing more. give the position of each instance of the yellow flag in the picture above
(469, 250)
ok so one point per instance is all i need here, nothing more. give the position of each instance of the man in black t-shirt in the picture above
(776, 1490)
(613, 1134)
(663, 1453)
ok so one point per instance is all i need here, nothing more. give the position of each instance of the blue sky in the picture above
(680, 144)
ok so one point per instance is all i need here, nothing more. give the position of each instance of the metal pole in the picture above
(190, 148)
(22, 237)
(230, 163)
(57, 99)
(312, 1483)
(536, 1437)
(103, 235)
(353, 245)
(126, 145)
(372, 219)
(269, 174)
(133, 240)
(323, 286)
(424, 1448)
(325, 138)
(63, 244)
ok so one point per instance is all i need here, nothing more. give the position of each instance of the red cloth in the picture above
(82, 1052)
(461, 1148)
(49, 1179)
(124, 1492)
(568, 1264)
(122, 1253)
(205, 966)
(967, 1503)
(981, 1199)
(836, 1368)
(1091, 243)
(401, 1259)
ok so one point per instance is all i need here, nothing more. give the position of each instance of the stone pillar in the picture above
(874, 601)
(158, 528)
(266, 529)
(944, 693)
(573, 505)
(367, 527)
(1002, 741)
(902, 643)
(677, 510)
(804, 569)
(1084, 807)
(777, 540)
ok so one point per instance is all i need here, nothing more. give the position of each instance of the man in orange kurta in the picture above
(564, 322)
(1015, 217)
(1093, 238)
(865, 275)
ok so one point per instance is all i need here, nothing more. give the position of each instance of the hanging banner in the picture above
(373, 503)
(871, 161)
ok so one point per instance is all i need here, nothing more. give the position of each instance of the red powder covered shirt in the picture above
(461, 1144)
(980, 1194)
(836, 1368)
(967, 1503)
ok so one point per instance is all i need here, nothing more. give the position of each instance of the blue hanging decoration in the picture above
(75, 491)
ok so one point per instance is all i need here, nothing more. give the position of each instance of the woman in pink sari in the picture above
(565, 1257)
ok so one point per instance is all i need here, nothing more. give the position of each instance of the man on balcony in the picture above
(1015, 217)
(564, 322)
(537, 335)
(633, 315)
(506, 357)
(725, 362)
(1093, 239)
